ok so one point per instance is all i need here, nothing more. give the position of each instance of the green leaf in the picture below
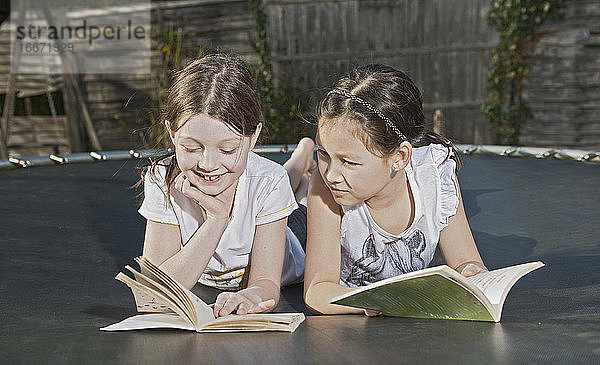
(517, 22)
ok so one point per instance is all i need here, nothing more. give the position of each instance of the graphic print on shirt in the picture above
(398, 257)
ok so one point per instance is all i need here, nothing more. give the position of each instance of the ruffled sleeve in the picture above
(448, 187)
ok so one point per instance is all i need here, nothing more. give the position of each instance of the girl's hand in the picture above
(218, 207)
(471, 269)
(240, 302)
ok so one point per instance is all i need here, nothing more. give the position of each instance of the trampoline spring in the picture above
(509, 151)
(19, 162)
(470, 150)
(58, 159)
(546, 154)
(467, 149)
(589, 156)
(97, 156)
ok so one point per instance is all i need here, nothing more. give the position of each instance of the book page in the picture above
(255, 322)
(175, 288)
(158, 295)
(147, 303)
(145, 321)
(286, 322)
(496, 284)
(146, 281)
(199, 311)
(204, 312)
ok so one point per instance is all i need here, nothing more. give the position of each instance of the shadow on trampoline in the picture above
(501, 251)
(469, 197)
(110, 312)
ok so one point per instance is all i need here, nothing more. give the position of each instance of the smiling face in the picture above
(352, 173)
(210, 153)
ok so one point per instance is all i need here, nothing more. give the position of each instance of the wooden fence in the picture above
(444, 45)
(120, 105)
(37, 135)
(563, 88)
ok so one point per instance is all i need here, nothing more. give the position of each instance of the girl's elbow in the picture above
(311, 306)
(313, 303)
(314, 310)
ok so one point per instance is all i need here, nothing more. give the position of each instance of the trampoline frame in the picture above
(468, 149)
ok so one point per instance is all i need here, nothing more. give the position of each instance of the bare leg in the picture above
(300, 166)
(301, 193)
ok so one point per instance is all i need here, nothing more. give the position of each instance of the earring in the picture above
(395, 168)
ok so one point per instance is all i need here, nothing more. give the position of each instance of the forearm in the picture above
(322, 270)
(457, 243)
(318, 295)
(188, 264)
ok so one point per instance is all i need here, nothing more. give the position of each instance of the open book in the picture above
(174, 306)
(439, 292)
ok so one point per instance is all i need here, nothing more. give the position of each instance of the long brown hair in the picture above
(219, 85)
(390, 92)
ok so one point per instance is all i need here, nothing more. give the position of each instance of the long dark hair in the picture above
(219, 85)
(390, 92)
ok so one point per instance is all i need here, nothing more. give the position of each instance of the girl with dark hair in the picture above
(386, 190)
(217, 212)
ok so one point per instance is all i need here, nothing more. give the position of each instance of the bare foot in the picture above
(306, 149)
(300, 162)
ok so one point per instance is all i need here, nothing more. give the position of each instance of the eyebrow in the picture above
(190, 138)
(338, 155)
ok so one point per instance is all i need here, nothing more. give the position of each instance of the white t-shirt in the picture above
(370, 254)
(263, 195)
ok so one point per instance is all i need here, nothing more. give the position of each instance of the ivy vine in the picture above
(171, 55)
(280, 110)
(517, 22)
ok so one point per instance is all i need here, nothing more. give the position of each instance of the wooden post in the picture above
(72, 112)
(28, 106)
(439, 124)
(71, 78)
(7, 114)
(89, 126)
(9, 102)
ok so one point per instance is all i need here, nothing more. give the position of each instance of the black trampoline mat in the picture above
(67, 230)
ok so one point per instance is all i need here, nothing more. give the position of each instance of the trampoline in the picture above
(68, 229)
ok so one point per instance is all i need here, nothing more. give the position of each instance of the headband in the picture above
(366, 104)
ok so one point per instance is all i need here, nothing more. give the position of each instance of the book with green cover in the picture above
(439, 292)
